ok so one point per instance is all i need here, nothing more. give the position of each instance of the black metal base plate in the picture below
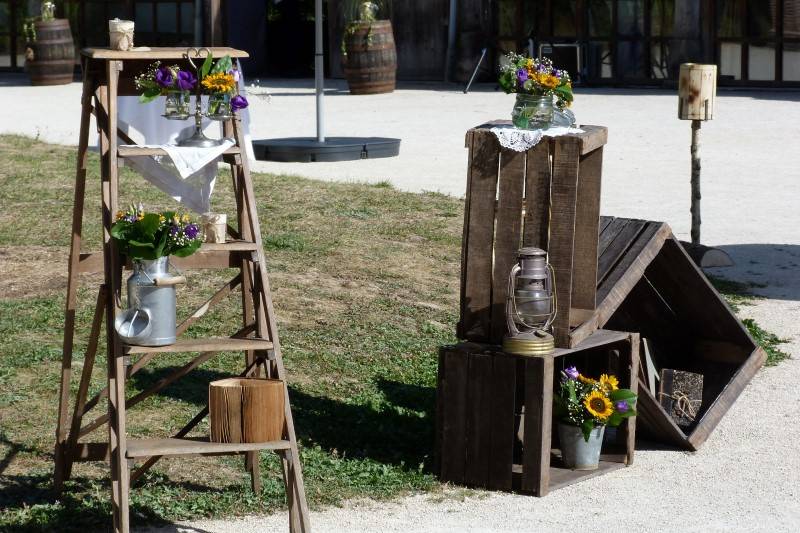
(308, 150)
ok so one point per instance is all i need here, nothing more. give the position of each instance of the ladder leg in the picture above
(86, 377)
(113, 273)
(295, 474)
(251, 459)
(61, 473)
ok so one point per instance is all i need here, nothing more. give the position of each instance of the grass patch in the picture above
(365, 280)
(738, 294)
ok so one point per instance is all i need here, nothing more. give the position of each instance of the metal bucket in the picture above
(576, 453)
(150, 318)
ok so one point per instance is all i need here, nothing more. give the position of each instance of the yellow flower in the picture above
(140, 216)
(529, 63)
(598, 405)
(161, 218)
(120, 214)
(587, 381)
(548, 80)
(220, 82)
(185, 218)
(608, 382)
(176, 220)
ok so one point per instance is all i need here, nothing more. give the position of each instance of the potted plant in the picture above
(148, 239)
(584, 407)
(369, 57)
(49, 51)
(537, 84)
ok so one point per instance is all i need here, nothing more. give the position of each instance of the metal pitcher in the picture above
(150, 317)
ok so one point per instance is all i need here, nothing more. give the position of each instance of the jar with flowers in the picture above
(221, 84)
(538, 86)
(172, 82)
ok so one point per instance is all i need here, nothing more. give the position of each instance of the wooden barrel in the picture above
(51, 59)
(370, 65)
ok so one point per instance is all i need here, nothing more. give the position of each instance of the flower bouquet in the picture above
(536, 83)
(220, 80)
(149, 239)
(170, 81)
(584, 407)
(150, 236)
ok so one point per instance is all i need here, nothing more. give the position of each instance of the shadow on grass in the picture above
(399, 431)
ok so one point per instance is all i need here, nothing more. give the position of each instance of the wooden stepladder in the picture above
(106, 75)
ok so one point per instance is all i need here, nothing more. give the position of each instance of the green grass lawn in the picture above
(365, 282)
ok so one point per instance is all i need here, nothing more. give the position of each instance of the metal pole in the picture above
(198, 23)
(696, 182)
(319, 72)
(451, 41)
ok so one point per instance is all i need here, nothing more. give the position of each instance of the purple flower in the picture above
(190, 231)
(174, 230)
(130, 218)
(522, 76)
(571, 372)
(186, 80)
(621, 406)
(164, 77)
(238, 102)
(235, 74)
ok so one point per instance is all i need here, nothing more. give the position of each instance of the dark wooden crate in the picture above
(548, 197)
(655, 288)
(494, 413)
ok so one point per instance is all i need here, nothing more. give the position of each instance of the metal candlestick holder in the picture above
(198, 138)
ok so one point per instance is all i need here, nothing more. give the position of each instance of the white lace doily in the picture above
(519, 140)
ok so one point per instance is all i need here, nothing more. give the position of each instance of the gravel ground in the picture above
(745, 476)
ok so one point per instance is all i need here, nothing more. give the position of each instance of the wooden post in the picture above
(696, 183)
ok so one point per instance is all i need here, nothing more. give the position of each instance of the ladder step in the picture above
(136, 151)
(208, 344)
(229, 246)
(196, 446)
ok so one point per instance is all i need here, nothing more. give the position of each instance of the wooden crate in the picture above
(494, 425)
(548, 197)
(649, 284)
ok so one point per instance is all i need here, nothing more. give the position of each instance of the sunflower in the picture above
(598, 405)
(609, 382)
(585, 380)
(220, 82)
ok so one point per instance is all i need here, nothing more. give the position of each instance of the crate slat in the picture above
(538, 174)
(587, 221)
(453, 389)
(479, 237)
(502, 415)
(507, 235)
(563, 198)
(479, 422)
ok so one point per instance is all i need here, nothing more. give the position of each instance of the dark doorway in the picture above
(290, 38)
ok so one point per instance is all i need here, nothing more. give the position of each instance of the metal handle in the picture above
(166, 282)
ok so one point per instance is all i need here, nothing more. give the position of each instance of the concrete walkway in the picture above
(745, 476)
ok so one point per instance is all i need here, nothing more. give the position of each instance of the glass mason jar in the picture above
(532, 112)
(176, 106)
(219, 107)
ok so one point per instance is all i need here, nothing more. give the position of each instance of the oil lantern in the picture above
(530, 305)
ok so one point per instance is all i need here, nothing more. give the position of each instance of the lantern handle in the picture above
(511, 304)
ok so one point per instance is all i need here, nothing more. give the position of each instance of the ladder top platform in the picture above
(157, 52)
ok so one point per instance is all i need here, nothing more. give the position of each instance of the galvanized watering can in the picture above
(150, 317)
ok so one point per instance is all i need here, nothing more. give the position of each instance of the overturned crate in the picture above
(648, 283)
(494, 413)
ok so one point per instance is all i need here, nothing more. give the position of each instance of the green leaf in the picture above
(149, 95)
(622, 394)
(586, 428)
(206, 67)
(564, 92)
(223, 64)
(615, 419)
(149, 224)
(187, 250)
(140, 244)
